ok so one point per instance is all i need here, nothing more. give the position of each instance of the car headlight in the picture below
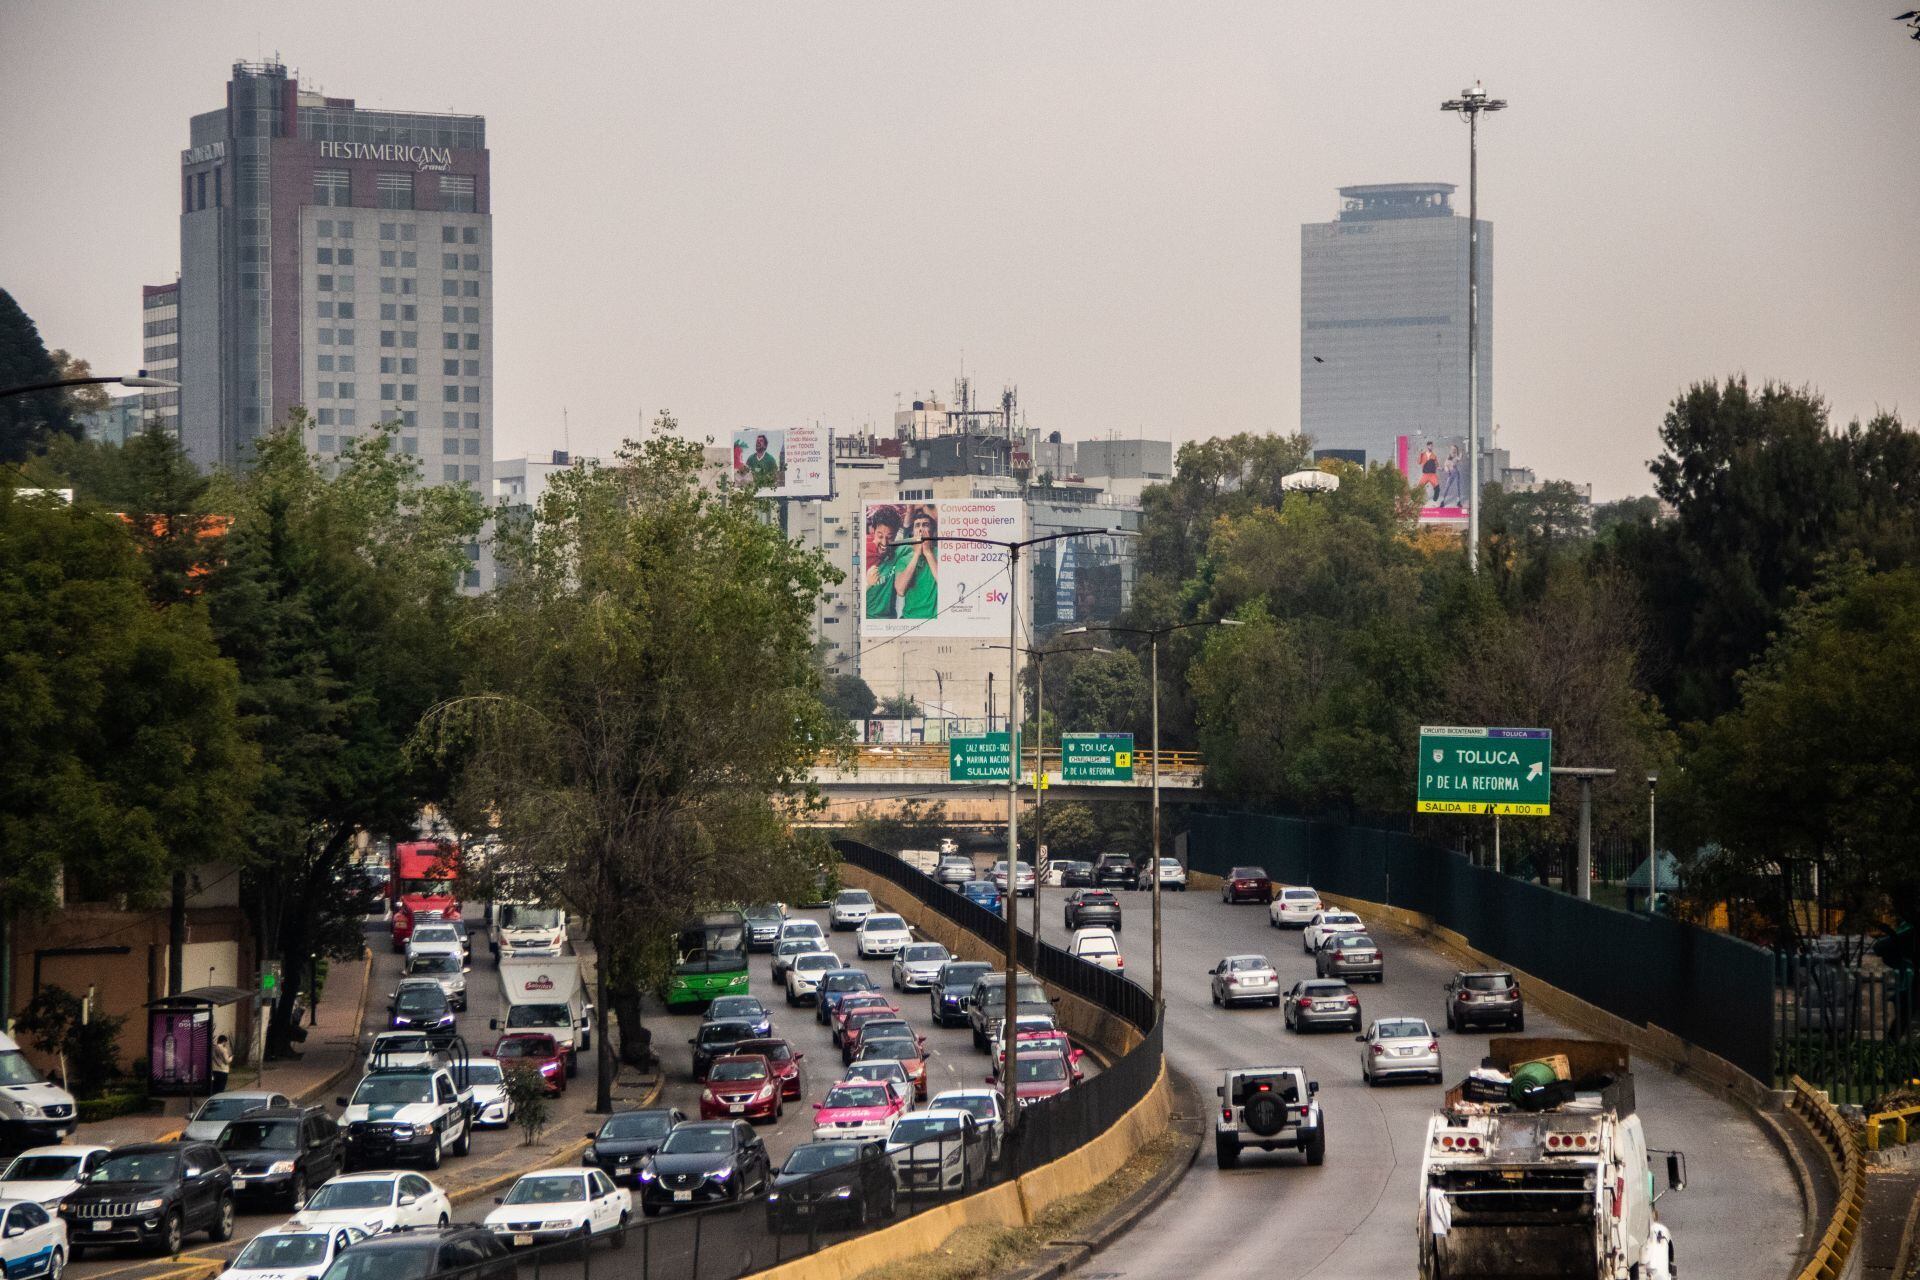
(280, 1166)
(28, 1111)
(707, 1095)
(646, 1175)
(772, 1196)
(556, 1224)
(148, 1206)
(374, 1226)
(721, 1175)
(843, 1193)
(403, 1131)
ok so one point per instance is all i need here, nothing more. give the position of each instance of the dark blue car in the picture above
(984, 892)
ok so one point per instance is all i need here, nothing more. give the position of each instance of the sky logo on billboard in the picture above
(996, 597)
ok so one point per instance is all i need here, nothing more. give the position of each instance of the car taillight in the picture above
(1306, 1003)
(1513, 994)
(1226, 1114)
(1353, 1002)
(1433, 1046)
(1463, 997)
(1377, 1051)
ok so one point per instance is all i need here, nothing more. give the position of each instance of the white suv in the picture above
(1272, 1108)
(882, 935)
(803, 975)
(850, 909)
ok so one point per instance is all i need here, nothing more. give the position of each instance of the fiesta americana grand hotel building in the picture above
(340, 259)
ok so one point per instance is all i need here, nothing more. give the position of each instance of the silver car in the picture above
(1245, 980)
(444, 968)
(917, 965)
(1321, 1002)
(1350, 955)
(217, 1112)
(1399, 1047)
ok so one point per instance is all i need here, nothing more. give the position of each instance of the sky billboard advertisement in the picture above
(784, 462)
(917, 579)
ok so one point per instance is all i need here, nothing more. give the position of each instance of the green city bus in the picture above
(710, 960)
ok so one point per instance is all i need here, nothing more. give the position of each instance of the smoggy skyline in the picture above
(765, 214)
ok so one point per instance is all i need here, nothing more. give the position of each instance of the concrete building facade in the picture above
(1383, 321)
(160, 350)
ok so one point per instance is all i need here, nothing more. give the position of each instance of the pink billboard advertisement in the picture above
(1438, 472)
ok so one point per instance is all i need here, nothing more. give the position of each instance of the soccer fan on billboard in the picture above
(883, 530)
(763, 466)
(916, 577)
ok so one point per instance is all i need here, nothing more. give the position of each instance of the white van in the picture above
(33, 1113)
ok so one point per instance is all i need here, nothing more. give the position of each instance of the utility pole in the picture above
(1583, 869)
(1469, 105)
(1653, 853)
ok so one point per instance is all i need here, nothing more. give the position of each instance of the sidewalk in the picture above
(330, 1051)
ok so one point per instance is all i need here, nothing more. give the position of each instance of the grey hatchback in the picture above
(1321, 1002)
(1476, 999)
(1090, 907)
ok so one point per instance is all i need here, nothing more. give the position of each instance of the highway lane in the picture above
(1740, 1215)
(483, 1003)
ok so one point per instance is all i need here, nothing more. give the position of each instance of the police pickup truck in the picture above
(405, 1114)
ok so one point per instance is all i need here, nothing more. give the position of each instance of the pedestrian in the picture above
(222, 1063)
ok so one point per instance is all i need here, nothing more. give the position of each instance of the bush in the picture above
(527, 1095)
(94, 1110)
(89, 1052)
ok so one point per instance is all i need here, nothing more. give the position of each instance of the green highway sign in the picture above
(1096, 757)
(1485, 770)
(984, 757)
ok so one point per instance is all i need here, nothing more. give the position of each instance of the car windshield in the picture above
(402, 1044)
(261, 1135)
(479, 1072)
(526, 1047)
(921, 951)
(762, 911)
(529, 918)
(1403, 1029)
(1488, 982)
(816, 962)
(855, 898)
(737, 1007)
(1095, 947)
(801, 928)
(877, 1069)
(1047, 1066)
(15, 1069)
(546, 1189)
(420, 1000)
(724, 1032)
(383, 1090)
(447, 963)
(856, 1095)
(856, 980)
(269, 1252)
(42, 1169)
(361, 1193)
(434, 933)
(879, 924)
(963, 975)
(537, 1015)
(978, 1105)
(738, 1071)
(389, 1262)
(1031, 992)
(146, 1166)
(899, 1050)
(638, 1124)
(227, 1107)
(688, 1141)
(816, 1157)
(1355, 942)
(772, 1050)
(923, 1128)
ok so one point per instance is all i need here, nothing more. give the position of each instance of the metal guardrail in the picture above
(1898, 1118)
(933, 755)
(1830, 1257)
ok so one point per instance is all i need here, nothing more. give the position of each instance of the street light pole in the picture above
(1653, 856)
(1469, 106)
(139, 380)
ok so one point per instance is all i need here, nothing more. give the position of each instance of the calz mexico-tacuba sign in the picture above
(986, 757)
(1472, 770)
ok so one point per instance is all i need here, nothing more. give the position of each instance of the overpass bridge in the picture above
(880, 777)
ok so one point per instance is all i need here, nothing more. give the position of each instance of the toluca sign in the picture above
(427, 158)
(1484, 770)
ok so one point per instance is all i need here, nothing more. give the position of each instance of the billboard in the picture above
(916, 582)
(784, 462)
(1438, 470)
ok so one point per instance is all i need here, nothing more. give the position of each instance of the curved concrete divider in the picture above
(1010, 1204)
(1842, 1146)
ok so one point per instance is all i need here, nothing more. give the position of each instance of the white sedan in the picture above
(33, 1242)
(491, 1106)
(555, 1204)
(1173, 875)
(1399, 1047)
(882, 935)
(1294, 906)
(850, 908)
(287, 1253)
(917, 965)
(375, 1202)
(47, 1175)
(1325, 924)
(1238, 979)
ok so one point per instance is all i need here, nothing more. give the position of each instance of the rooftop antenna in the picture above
(566, 432)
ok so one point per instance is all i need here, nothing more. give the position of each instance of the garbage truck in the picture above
(1537, 1165)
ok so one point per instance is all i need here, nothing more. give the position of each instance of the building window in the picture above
(395, 190)
(343, 283)
(408, 391)
(345, 254)
(332, 187)
(449, 235)
(346, 393)
(470, 288)
(326, 391)
(343, 336)
(473, 422)
(406, 232)
(406, 285)
(456, 193)
(388, 365)
(324, 255)
(409, 365)
(470, 315)
(388, 311)
(326, 444)
(470, 262)
(451, 341)
(323, 310)
(344, 230)
(219, 195)
(200, 190)
(473, 447)
(450, 420)
(323, 283)
(326, 337)
(386, 337)
(449, 445)
(471, 472)
(389, 390)
(346, 363)
(324, 227)
(449, 315)
(408, 418)
(325, 364)
(410, 445)
(346, 417)
(450, 473)
(472, 369)
(449, 288)
(408, 258)
(408, 311)
(324, 417)
(409, 338)
(469, 235)
(473, 342)
(471, 580)
(449, 368)
(389, 257)
(471, 395)
(386, 284)
(449, 262)
(450, 394)
(345, 312)
(387, 232)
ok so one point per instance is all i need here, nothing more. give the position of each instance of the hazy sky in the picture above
(754, 214)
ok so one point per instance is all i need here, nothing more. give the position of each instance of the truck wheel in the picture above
(433, 1153)
(222, 1229)
(573, 1063)
(1226, 1150)
(1317, 1145)
(465, 1145)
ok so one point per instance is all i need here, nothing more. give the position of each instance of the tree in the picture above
(336, 597)
(85, 399)
(1106, 693)
(27, 422)
(124, 760)
(1819, 764)
(848, 697)
(1643, 511)
(86, 1042)
(642, 709)
(898, 708)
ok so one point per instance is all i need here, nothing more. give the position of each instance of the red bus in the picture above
(425, 885)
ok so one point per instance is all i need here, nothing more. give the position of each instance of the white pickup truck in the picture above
(409, 1114)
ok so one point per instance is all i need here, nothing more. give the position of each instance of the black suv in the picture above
(425, 1251)
(151, 1194)
(1092, 906)
(846, 1182)
(1116, 871)
(1488, 997)
(948, 995)
(276, 1153)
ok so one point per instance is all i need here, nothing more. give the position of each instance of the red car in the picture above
(741, 1086)
(1246, 884)
(1041, 1076)
(849, 1005)
(537, 1050)
(1039, 1042)
(786, 1063)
